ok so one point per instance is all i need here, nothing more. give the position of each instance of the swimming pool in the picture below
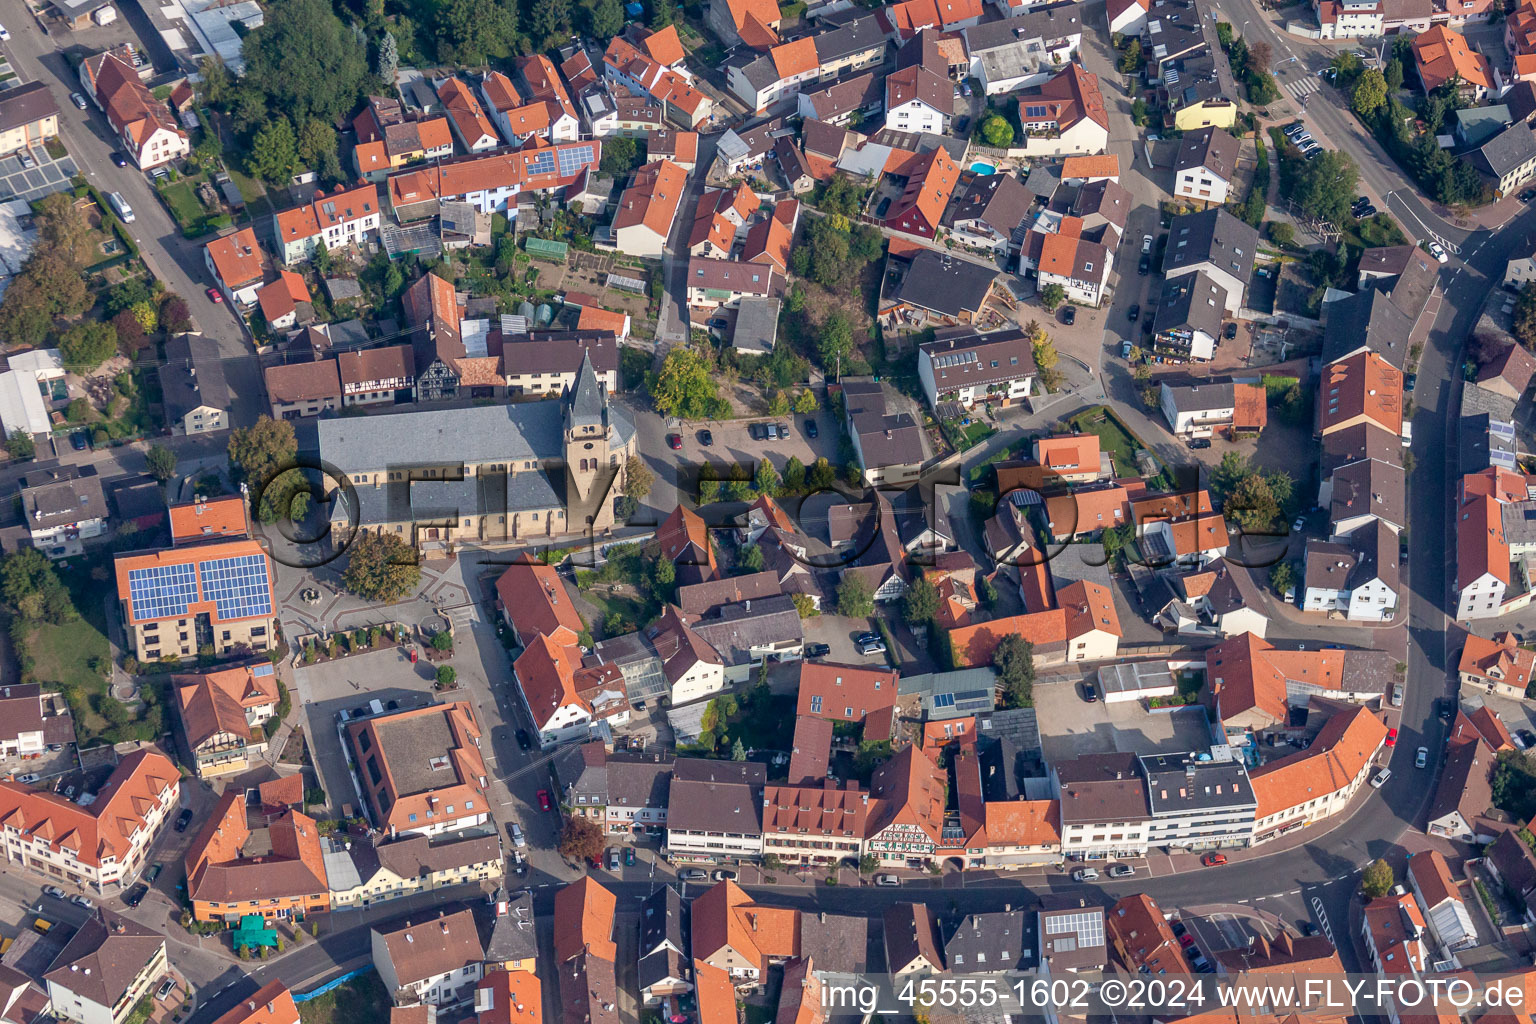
(983, 168)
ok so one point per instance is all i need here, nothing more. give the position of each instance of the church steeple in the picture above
(588, 399)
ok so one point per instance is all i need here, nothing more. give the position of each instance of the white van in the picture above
(121, 206)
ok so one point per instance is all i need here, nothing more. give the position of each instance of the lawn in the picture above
(1113, 437)
(977, 432)
(62, 655)
(183, 204)
(362, 1000)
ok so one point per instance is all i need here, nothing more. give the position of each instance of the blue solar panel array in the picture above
(261, 671)
(574, 159)
(237, 586)
(161, 591)
(543, 162)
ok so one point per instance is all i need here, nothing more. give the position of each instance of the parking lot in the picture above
(46, 177)
(1071, 726)
(733, 441)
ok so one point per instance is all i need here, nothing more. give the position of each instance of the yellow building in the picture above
(362, 875)
(28, 117)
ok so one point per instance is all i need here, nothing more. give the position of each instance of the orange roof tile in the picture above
(1480, 543)
(237, 258)
(271, 1004)
(1500, 658)
(370, 157)
(664, 47)
(1345, 745)
(715, 994)
(1443, 54)
(795, 58)
(213, 517)
(1023, 822)
(1366, 385)
(126, 564)
(534, 598)
(724, 916)
(593, 318)
(1103, 165)
(584, 921)
(845, 693)
(500, 91)
(653, 197)
(1068, 454)
(546, 674)
(142, 783)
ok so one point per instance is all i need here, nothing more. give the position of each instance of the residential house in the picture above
(145, 127)
(1393, 930)
(222, 714)
(1512, 864)
(285, 303)
(1083, 626)
(1127, 17)
(467, 117)
(1365, 492)
(364, 874)
(1143, 939)
(1220, 600)
(1508, 160)
(1199, 800)
(752, 23)
(906, 819)
(585, 952)
(541, 84)
(1188, 320)
(438, 961)
(1103, 806)
(192, 385)
(918, 100)
(377, 375)
(1071, 259)
(1255, 683)
(161, 616)
(29, 117)
(912, 943)
(1191, 541)
(906, 19)
(1509, 372)
(336, 219)
(742, 938)
(849, 42)
(1349, 19)
(648, 208)
(1359, 580)
(1103, 206)
(1362, 388)
(62, 510)
(1495, 666)
(504, 997)
(295, 390)
(1205, 166)
(489, 181)
(715, 283)
(1064, 115)
(817, 824)
(847, 693)
(994, 368)
(563, 696)
(1024, 49)
(999, 940)
(1464, 792)
(105, 970)
(1197, 410)
(641, 75)
(1310, 785)
(25, 733)
(278, 861)
(434, 313)
(1072, 936)
(986, 210)
(838, 102)
(935, 288)
(1217, 244)
(888, 444)
(534, 602)
(665, 970)
(1442, 55)
(399, 795)
(1439, 899)
(714, 811)
(271, 1004)
(919, 210)
(764, 81)
(746, 634)
(235, 261)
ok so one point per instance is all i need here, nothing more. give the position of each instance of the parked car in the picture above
(1121, 871)
(706, 437)
(545, 803)
(1528, 195)
(723, 874)
(183, 819)
(5, 35)
(1085, 875)
(1230, 331)
(1391, 737)
(1135, 312)
(1381, 778)
(1527, 737)
(887, 880)
(28, 779)
(54, 891)
(1144, 267)
(872, 648)
(1299, 524)
(153, 873)
(1146, 244)
(1366, 212)
(135, 895)
(629, 856)
(215, 296)
(1069, 315)
(119, 158)
(82, 901)
(866, 637)
(518, 840)
(770, 431)
(523, 742)
(675, 442)
(693, 875)
(1421, 758)
(78, 441)
(165, 989)
(77, 100)
(817, 650)
(961, 125)
(1437, 251)
(1294, 129)
(811, 430)
(1213, 860)
(1090, 695)
(613, 861)
(1397, 695)
(1125, 349)
(1199, 443)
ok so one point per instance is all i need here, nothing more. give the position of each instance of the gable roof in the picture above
(1341, 750)
(725, 916)
(584, 921)
(439, 945)
(828, 690)
(537, 602)
(237, 258)
(1443, 54)
(104, 957)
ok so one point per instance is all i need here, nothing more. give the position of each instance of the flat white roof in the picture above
(21, 404)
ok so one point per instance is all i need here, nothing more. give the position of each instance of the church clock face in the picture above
(587, 446)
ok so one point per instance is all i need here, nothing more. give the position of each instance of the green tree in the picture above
(263, 450)
(750, 558)
(30, 585)
(854, 598)
(1014, 660)
(1525, 315)
(447, 675)
(20, 445)
(821, 475)
(605, 19)
(62, 227)
(317, 148)
(389, 57)
(794, 475)
(805, 604)
(1370, 93)
(1139, 112)
(805, 403)
(836, 340)
(996, 130)
(1394, 75)
(381, 568)
(1324, 186)
(1377, 879)
(1051, 296)
(550, 22)
(1282, 234)
(1252, 504)
(86, 346)
(738, 751)
(620, 155)
(1227, 474)
(685, 387)
(638, 478)
(161, 462)
(1282, 577)
(304, 62)
(474, 31)
(767, 480)
(274, 154)
(921, 603)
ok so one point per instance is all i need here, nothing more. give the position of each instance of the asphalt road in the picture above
(88, 136)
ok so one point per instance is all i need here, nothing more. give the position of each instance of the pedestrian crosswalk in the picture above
(1302, 87)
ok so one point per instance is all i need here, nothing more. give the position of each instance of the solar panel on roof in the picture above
(574, 159)
(1086, 928)
(238, 587)
(262, 671)
(162, 591)
(542, 163)
(944, 700)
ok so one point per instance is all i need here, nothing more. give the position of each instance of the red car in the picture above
(545, 804)
(1391, 737)
(1212, 860)
(215, 295)
(675, 441)
(1186, 940)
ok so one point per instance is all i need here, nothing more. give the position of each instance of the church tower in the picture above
(591, 469)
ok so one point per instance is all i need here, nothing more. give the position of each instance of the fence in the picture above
(304, 997)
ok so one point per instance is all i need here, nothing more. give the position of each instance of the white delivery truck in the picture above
(121, 206)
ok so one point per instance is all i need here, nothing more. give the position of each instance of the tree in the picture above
(1130, 60)
(685, 387)
(304, 62)
(447, 675)
(1045, 354)
(1394, 76)
(1525, 315)
(263, 450)
(996, 130)
(1325, 185)
(921, 603)
(63, 228)
(1370, 93)
(663, 13)
(638, 478)
(130, 333)
(381, 568)
(854, 598)
(161, 462)
(29, 584)
(805, 403)
(1139, 112)
(821, 476)
(1226, 475)
(1014, 660)
(767, 481)
(794, 475)
(836, 340)
(1051, 296)
(750, 558)
(389, 57)
(1252, 504)
(474, 31)
(605, 18)
(1282, 577)
(174, 315)
(145, 315)
(581, 840)
(317, 148)
(20, 445)
(274, 152)
(738, 751)
(620, 155)
(805, 604)
(1377, 879)
(1282, 234)
(550, 22)
(87, 345)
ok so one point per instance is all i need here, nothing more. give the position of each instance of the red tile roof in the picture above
(144, 784)
(534, 598)
(844, 693)
(237, 258)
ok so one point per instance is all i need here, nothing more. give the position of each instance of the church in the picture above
(487, 474)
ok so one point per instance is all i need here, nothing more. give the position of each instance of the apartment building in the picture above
(222, 715)
(814, 825)
(335, 219)
(1104, 809)
(438, 961)
(63, 510)
(246, 862)
(179, 600)
(715, 811)
(363, 874)
(420, 769)
(105, 970)
(970, 368)
(1316, 783)
(1198, 800)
